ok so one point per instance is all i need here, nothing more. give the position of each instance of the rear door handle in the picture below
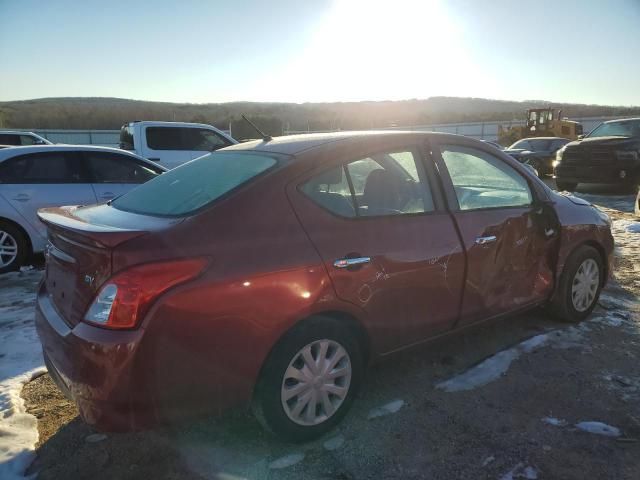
(107, 195)
(350, 262)
(485, 240)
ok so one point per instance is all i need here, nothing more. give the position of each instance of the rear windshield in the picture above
(185, 189)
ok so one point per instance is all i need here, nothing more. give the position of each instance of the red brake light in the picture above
(126, 297)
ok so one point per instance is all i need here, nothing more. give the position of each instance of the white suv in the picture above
(172, 143)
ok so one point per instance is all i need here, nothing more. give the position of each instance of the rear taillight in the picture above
(126, 297)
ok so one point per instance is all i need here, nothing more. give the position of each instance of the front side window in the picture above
(202, 139)
(481, 180)
(114, 168)
(383, 184)
(50, 167)
(194, 185)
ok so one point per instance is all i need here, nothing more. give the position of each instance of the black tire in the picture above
(267, 403)
(562, 306)
(13, 235)
(566, 186)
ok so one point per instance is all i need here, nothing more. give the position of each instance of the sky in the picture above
(202, 51)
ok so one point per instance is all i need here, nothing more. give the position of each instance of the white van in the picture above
(172, 143)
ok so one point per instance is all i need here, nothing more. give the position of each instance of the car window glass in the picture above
(114, 168)
(383, 184)
(481, 180)
(194, 185)
(9, 139)
(164, 138)
(330, 190)
(202, 139)
(50, 167)
(27, 140)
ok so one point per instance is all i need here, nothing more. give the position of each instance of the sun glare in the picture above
(373, 49)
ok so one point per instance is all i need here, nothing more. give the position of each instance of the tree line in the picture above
(275, 118)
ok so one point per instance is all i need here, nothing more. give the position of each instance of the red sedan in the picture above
(271, 273)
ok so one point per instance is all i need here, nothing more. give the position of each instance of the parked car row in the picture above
(271, 273)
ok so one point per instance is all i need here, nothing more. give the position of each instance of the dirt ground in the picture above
(402, 426)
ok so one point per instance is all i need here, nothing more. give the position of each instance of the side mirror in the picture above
(580, 137)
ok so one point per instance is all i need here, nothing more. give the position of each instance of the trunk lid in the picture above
(79, 252)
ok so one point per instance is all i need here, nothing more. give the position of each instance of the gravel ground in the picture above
(527, 423)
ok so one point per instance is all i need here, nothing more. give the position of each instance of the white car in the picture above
(55, 175)
(17, 138)
(172, 143)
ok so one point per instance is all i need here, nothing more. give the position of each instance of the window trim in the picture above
(420, 157)
(449, 189)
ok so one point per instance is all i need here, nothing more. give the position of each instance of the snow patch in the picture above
(493, 367)
(599, 428)
(21, 360)
(521, 471)
(391, 407)
(286, 461)
(556, 422)
(334, 443)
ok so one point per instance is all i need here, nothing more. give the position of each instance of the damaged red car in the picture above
(271, 273)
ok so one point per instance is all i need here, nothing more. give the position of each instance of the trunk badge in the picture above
(88, 279)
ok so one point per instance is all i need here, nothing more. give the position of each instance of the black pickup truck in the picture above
(609, 154)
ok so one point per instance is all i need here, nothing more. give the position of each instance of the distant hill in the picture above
(111, 113)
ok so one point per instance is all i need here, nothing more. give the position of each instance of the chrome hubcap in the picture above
(8, 249)
(316, 382)
(585, 285)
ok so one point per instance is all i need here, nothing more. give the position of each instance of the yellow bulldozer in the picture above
(541, 122)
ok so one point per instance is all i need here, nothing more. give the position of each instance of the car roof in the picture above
(543, 138)
(17, 132)
(296, 144)
(621, 120)
(11, 152)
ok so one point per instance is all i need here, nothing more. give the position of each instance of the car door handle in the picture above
(350, 262)
(485, 240)
(154, 159)
(108, 195)
(22, 197)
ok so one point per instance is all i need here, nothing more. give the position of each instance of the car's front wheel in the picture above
(309, 380)
(580, 285)
(13, 247)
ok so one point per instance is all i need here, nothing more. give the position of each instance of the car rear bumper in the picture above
(96, 369)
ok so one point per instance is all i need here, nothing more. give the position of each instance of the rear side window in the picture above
(113, 168)
(9, 139)
(184, 138)
(194, 185)
(50, 167)
(391, 183)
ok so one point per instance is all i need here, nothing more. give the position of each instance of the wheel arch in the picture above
(22, 230)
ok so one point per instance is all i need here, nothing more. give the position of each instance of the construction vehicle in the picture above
(541, 122)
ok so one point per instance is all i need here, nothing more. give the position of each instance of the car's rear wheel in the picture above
(13, 247)
(566, 186)
(309, 380)
(580, 285)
